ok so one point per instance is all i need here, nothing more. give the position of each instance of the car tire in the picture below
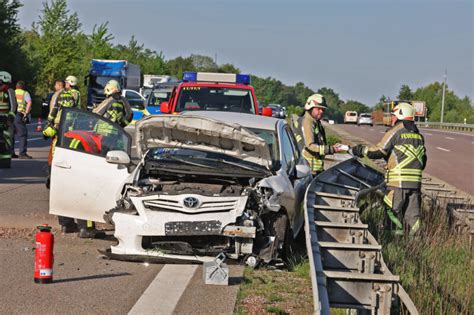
(283, 233)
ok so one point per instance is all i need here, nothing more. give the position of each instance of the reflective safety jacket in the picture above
(8, 104)
(403, 147)
(20, 100)
(311, 138)
(90, 141)
(67, 98)
(116, 109)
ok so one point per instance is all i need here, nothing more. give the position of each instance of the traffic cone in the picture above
(39, 126)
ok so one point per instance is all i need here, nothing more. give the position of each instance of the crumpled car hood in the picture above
(201, 133)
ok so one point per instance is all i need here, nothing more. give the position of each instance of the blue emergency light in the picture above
(216, 77)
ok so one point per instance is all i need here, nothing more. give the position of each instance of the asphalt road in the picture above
(450, 154)
(84, 281)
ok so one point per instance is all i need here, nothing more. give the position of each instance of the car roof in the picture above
(216, 84)
(246, 120)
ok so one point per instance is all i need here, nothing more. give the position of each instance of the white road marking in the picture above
(449, 138)
(428, 134)
(164, 292)
(382, 132)
(372, 129)
(134, 146)
(32, 139)
(449, 132)
(443, 149)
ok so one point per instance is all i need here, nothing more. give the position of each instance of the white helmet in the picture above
(5, 77)
(315, 100)
(111, 87)
(404, 111)
(72, 80)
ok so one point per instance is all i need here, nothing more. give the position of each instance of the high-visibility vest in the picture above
(91, 142)
(4, 103)
(20, 99)
(315, 159)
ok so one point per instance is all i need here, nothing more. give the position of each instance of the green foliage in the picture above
(405, 93)
(351, 105)
(455, 108)
(12, 57)
(56, 44)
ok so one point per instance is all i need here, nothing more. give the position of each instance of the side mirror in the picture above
(267, 111)
(165, 107)
(117, 157)
(302, 171)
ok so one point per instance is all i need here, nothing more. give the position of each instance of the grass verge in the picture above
(434, 266)
(276, 291)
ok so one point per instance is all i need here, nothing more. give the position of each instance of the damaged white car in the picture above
(205, 183)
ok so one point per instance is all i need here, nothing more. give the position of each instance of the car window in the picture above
(294, 143)
(271, 139)
(215, 99)
(90, 133)
(287, 151)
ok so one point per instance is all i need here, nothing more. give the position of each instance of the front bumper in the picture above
(130, 229)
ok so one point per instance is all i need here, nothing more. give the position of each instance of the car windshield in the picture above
(271, 139)
(215, 99)
(157, 97)
(186, 160)
(100, 81)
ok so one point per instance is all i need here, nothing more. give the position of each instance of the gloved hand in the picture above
(358, 150)
(339, 147)
(49, 132)
(25, 119)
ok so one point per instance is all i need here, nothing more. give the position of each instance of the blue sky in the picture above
(360, 48)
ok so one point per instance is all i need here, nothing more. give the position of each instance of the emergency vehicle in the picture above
(205, 91)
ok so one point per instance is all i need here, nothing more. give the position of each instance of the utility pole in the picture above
(444, 92)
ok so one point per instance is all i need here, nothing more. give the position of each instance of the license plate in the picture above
(193, 228)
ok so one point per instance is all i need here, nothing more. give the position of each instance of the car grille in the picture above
(206, 204)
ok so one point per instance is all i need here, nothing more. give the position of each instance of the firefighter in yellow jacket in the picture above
(310, 133)
(403, 147)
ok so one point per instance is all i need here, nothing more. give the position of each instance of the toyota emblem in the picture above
(191, 202)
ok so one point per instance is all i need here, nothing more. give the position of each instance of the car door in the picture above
(299, 184)
(294, 199)
(83, 184)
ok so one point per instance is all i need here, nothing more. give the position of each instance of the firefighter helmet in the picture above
(111, 87)
(5, 77)
(315, 100)
(404, 111)
(72, 80)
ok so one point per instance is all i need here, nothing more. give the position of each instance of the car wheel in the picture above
(281, 227)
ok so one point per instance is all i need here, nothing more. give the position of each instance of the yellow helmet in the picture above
(111, 87)
(5, 77)
(404, 111)
(72, 80)
(315, 100)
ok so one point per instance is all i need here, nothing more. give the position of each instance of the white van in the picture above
(350, 117)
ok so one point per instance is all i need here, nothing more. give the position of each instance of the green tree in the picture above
(351, 105)
(179, 65)
(228, 68)
(405, 93)
(56, 44)
(12, 58)
(203, 63)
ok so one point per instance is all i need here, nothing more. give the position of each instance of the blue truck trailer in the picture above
(101, 71)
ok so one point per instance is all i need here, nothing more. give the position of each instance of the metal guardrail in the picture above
(447, 126)
(346, 264)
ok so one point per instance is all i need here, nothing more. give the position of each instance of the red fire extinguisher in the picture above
(44, 258)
